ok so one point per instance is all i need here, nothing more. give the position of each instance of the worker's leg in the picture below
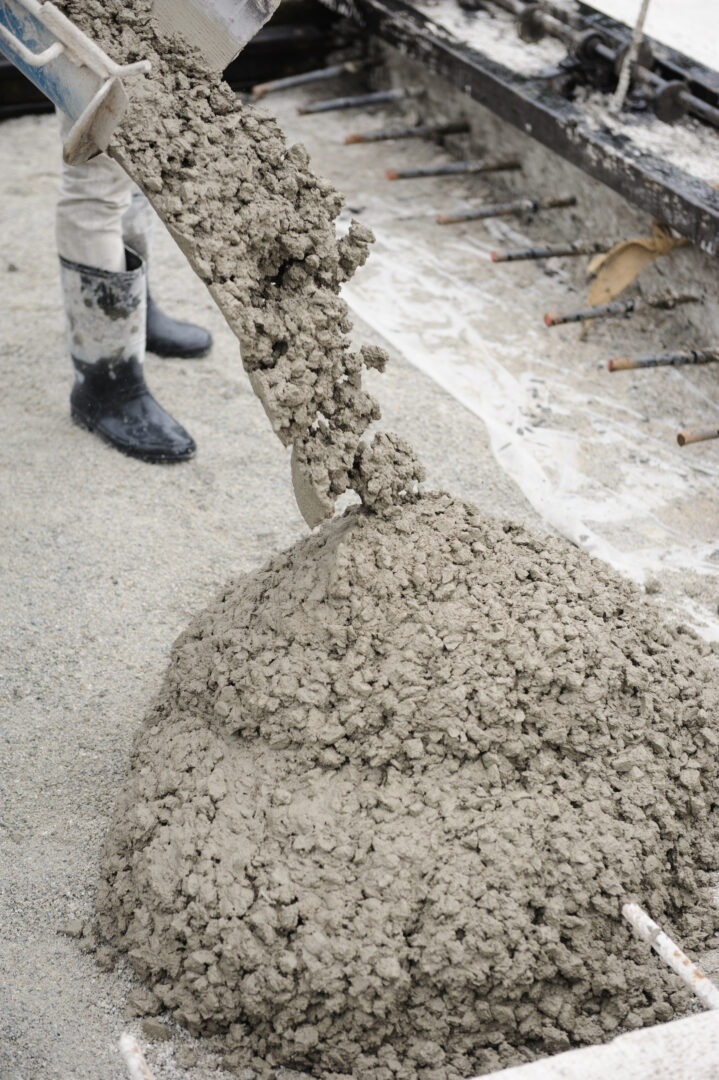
(106, 312)
(104, 288)
(93, 198)
(138, 224)
(165, 336)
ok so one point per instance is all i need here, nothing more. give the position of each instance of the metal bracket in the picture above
(33, 59)
(92, 131)
(102, 97)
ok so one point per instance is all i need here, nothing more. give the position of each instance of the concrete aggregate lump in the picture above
(396, 787)
(257, 226)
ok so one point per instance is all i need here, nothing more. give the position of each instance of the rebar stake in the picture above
(618, 307)
(379, 97)
(455, 168)
(582, 247)
(672, 955)
(518, 206)
(132, 1055)
(678, 359)
(417, 131)
(695, 434)
(349, 67)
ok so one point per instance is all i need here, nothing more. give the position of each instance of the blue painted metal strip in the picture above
(67, 86)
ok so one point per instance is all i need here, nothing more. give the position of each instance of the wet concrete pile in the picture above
(258, 227)
(395, 789)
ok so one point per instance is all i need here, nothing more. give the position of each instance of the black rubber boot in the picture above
(106, 335)
(112, 399)
(170, 337)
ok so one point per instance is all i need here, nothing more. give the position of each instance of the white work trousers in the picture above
(100, 212)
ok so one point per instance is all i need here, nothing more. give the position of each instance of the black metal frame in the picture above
(667, 192)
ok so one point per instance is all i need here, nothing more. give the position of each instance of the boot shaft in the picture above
(105, 312)
(106, 315)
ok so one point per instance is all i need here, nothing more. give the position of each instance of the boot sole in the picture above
(175, 355)
(129, 451)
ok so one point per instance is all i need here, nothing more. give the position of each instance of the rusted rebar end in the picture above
(694, 435)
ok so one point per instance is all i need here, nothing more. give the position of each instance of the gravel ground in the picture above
(104, 559)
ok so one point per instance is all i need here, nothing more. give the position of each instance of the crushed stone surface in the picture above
(398, 783)
(257, 226)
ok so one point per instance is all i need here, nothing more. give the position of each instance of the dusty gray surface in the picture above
(104, 560)
(396, 787)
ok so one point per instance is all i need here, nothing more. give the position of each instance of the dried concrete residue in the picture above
(395, 789)
(258, 227)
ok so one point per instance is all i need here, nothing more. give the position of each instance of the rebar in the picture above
(417, 131)
(582, 247)
(619, 307)
(378, 97)
(518, 206)
(455, 168)
(678, 359)
(349, 67)
(695, 434)
(672, 955)
(132, 1056)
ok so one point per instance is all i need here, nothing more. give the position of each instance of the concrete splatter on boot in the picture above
(106, 314)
